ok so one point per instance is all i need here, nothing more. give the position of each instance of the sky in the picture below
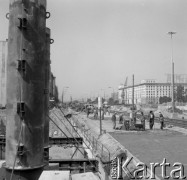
(98, 43)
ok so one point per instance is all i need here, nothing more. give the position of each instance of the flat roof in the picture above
(152, 84)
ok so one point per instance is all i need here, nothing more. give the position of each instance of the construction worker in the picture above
(161, 119)
(114, 120)
(121, 119)
(151, 119)
(143, 120)
(132, 119)
(88, 110)
(96, 113)
(102, 113)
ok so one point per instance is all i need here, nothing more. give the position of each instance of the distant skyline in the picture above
(98, 43)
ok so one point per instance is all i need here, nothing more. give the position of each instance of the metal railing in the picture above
(96, 146)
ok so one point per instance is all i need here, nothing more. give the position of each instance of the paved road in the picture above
(151, 146)
(154, 146)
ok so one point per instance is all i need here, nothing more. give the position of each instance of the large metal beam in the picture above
(65, 141)
(46, 95)
(82, 165)
(52, 141)
(55, 140)
(25, 89)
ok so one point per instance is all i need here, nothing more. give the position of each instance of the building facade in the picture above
(52, 85)
(147, 92)
(115, 96)
(3, 72)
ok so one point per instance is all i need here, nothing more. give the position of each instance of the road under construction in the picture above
(44, 141)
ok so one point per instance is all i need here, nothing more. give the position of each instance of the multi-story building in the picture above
(148, 91)
(114, 96)
(52, 84)
(3, 72)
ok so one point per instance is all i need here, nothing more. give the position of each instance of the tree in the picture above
(111, 101)
(89, 100)
(116, 102)
(164, 99)
(180, 94)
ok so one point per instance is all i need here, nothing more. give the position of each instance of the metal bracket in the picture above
(22, 23)
(46, 91)
(20, 151)
(51, 41)
(7, 15)
(47, 15)
(21, 108)
(21, 65)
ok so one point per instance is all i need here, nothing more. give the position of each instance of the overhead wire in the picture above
(73, 127)
(19, 141)
(57, 126)
(71, 135)
(77, 142)
(75, 139)
(75, 130)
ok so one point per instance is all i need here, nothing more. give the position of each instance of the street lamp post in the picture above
(63, 93)
(103, 93)
(172, 72)
(112, 90)
(133, 92)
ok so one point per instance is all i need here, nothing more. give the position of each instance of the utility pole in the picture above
(172, 72)
(63, 92)
(112, 92)
(133, 91)
(99, 106)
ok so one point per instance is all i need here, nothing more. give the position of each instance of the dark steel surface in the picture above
(65, 141)
(2, 147)
(46, 93)
(26, 41)
(33, 174)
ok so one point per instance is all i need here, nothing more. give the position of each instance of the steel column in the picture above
(25, 89)
(46, 100)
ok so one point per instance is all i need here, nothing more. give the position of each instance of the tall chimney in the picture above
(25, 89)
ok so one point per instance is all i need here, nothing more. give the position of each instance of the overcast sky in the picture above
(98, 43)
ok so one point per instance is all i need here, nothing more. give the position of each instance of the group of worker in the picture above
(151, 118)
(96, 112)
(104, 110)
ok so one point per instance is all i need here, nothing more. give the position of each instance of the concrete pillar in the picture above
(25, 89)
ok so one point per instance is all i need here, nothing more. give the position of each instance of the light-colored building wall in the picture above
(120, 93)
(147, 92)
(3, 72)
(115, 96)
